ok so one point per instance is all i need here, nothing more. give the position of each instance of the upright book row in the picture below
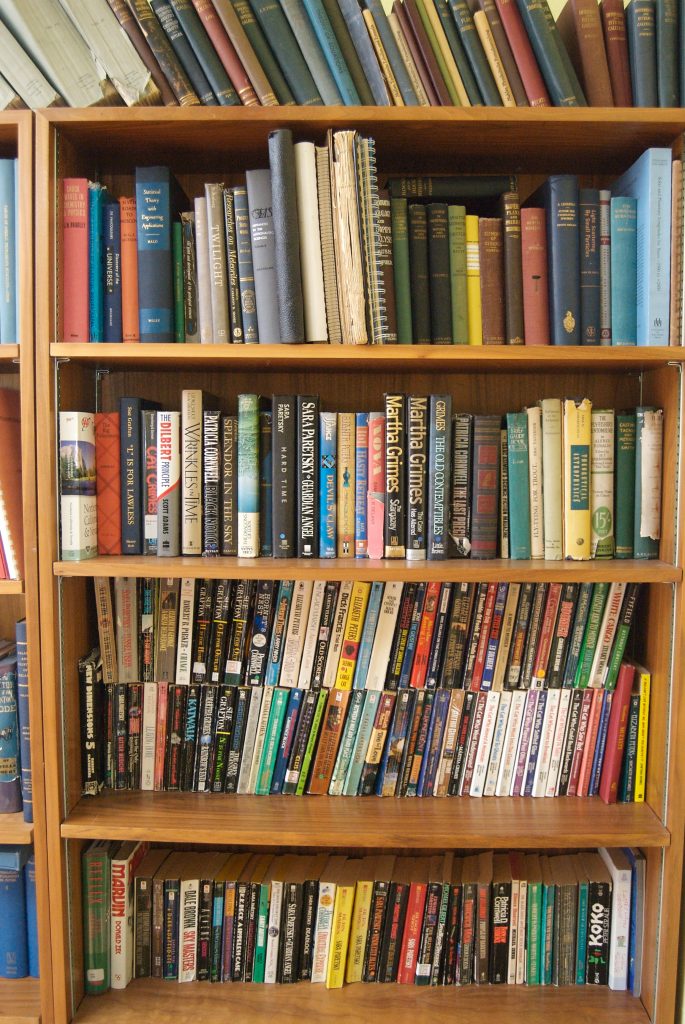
(354, 689)
(18, 919)
(311, 249)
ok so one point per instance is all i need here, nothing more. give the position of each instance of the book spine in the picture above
(419, 275)
(78, 500)
(401, 269)
(485, 486)
(232, 274)
(474, 50)
(543, 38)
(307, 462)
(287, 52)
(361, 479)
(260, 206)
(588, 209)
(616, 42)
(108, 482)
(215, 51)
(394, 529)
(623, 233)
(438, 274)
(248, 476)
(96, 203)
(112, 327)
(604, 266)
(244, 267)
(491, 260)
(473, 288)
(74, 309)
(168, 484)
(345, 460)
(416, 472)
(440, 424)
(641, 32)
(648, 475)
(155, 272)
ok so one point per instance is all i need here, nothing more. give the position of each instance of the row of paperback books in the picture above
(15, 733)
(283, 479)
(351, 689)
(408, 52)
(497, 918)
(311, 250)
(18, 921)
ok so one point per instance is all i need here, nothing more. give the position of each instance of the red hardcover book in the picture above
(581, 736)
(400, 11)
(485, 486)
(423, 644)
(616, 43)
(534, 264)
(580, 28)
(491, 254)
(411, 935)
(11, 513)
(616, 734)
(519, 42)
(482, 649)
(160, 734)
(73, 262)
(549, 621)
(130, 320)
(226, 52)
(590, 742)
(108, 482)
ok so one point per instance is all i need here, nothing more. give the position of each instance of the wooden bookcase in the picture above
(214, 145)
(28, 999)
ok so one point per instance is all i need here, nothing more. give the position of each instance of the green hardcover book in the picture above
(547, 922)
(233, 278)
(668, 85)
(542, 37)
(313, 51)
(437, 53)
(342, 34)
(177, 250)
(311, 742)
(418, 271)
(463, 19)
(456, 221)
(401, 273)
(519, 485)
(270, 65)
(458, 52)
(594, 621)
(625, 621)
(624, 504)
(649, 431)
(96, 876)
(439, 274)
(259, 961)
(272, 738)
(277, 30)
(581, 924)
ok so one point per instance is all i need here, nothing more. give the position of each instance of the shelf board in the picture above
(11, 587)
(20, 1001)
(14, 831)
(371, 823)
(464, 358)
(405, 1004)
(460, 570)
(9, 353)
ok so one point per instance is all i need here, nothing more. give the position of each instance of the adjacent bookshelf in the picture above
(213, 144)
(28, 999)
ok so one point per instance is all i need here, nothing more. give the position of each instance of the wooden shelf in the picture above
(461, 570)
(14, 831)
(464, 358)
(368, 822)
(20, 1001)
(405, 1004)
(9, 353)
(11, 587)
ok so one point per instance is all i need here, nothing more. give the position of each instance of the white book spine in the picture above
(253, 718)
(315, 324)
(521, 937)
(487, 732)
(260, 735)
(204, 294)
(312, 635)
(607, 631)
(497, 743)
(273, 934)
(602, 483)
(121, 921)
(620, 919)
(558, 743)
(648, 516)
(322, 931)
(513, 932)
(337, 635)
(294, 640)
(187, 939)
(511, 742)
(148, 737)
(191, 472)
(535, 469)
(186, 619)
(546, 741)
(551, 474)
(382, 641)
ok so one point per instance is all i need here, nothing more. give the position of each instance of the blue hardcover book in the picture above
(13, 858)
(412, 636)
(328, 484)
(560, 193)
(439, 638)
(649, 181)
(588, 207)
(361, 483)
(373, 609)
(600, 745)
(534, 749)
(312, 52)
(361, 41)
(265, 484)
(10, 771)
(287, 736)
(14, 955)
(31, 916)
(24, 721)
(361, 743)
(332, 52)
(393, 54)
(431, 757)
(439, 476)
(155, 261)
(494, 638)
(623, 271)
(8, 253)
(96, 276)
(278, 633)
(519, 485)
(112, 328)
(581, 930)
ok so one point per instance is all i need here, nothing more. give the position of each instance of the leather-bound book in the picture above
(513, 280)
(535, 277)
(616, 43)
(580, 28)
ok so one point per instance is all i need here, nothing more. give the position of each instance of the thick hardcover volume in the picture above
(523, 54)
(623, 271)
(224, 61)
(401, 270)
(211, 482)
(286, 236)
(78, 500)
(535, 276)
(263, 255)
(577, 438)
(284, 467)
(418, 266)
(580, 28)
(281, 39)
(604, 266)
(648, 463)
(108, 482)
(588, 209)
(560, 193)
(513, 272)
(394, 527)
(245, 268)
(132, 29)
(229, 485)
(460, 511)
(112, 328)
(74, 317)
(248, 476)
(183, 51)
(641, 30)
(438, 272)
(416, 455)
(485, 486)
(130, 318)
(624, 468)
(456, 217)
(96, 871)
(491, 251)
(306, 457)
(155, 276)
(161, 48)
(616, 42)
(169, 483)
(473, 295)
(559, 78)
(262, 50)
(439, 454)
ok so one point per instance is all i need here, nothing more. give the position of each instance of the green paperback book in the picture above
(354, 772)
(400, 261)
(262, 934)
(594, 621)
(311, 742)
(624, 481)
(273, 734)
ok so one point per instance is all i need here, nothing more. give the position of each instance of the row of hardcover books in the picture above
(283, 479)
(18, 922)
(15, 734)
(353, 689)
(497, 918)
(310, 249)
(409, 52)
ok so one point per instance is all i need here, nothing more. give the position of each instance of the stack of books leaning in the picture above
(375, 52)
(497, 918)
(311, 249)
(18, 922)
(415, 689)
(284, 479)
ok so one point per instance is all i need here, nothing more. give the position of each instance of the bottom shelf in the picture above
(158, 1001)
(20, 1001)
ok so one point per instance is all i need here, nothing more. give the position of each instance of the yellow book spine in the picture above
(642, 734)
(382, 56)
(577, 427)
(473, 303)
(340, 935)
(358, 930)
(346, 484)
(353, 634)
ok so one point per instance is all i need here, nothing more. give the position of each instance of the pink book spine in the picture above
(74, 261)
(160, 740)
(375, 505)
(534, 266)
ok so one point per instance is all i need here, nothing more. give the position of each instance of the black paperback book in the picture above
(307, 468)
(284, 471)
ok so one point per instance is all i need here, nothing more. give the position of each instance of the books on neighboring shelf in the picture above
(414, 480)
(492, 917)
(16, 789)
(18, 922)
(415, 689)
(318, 247)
